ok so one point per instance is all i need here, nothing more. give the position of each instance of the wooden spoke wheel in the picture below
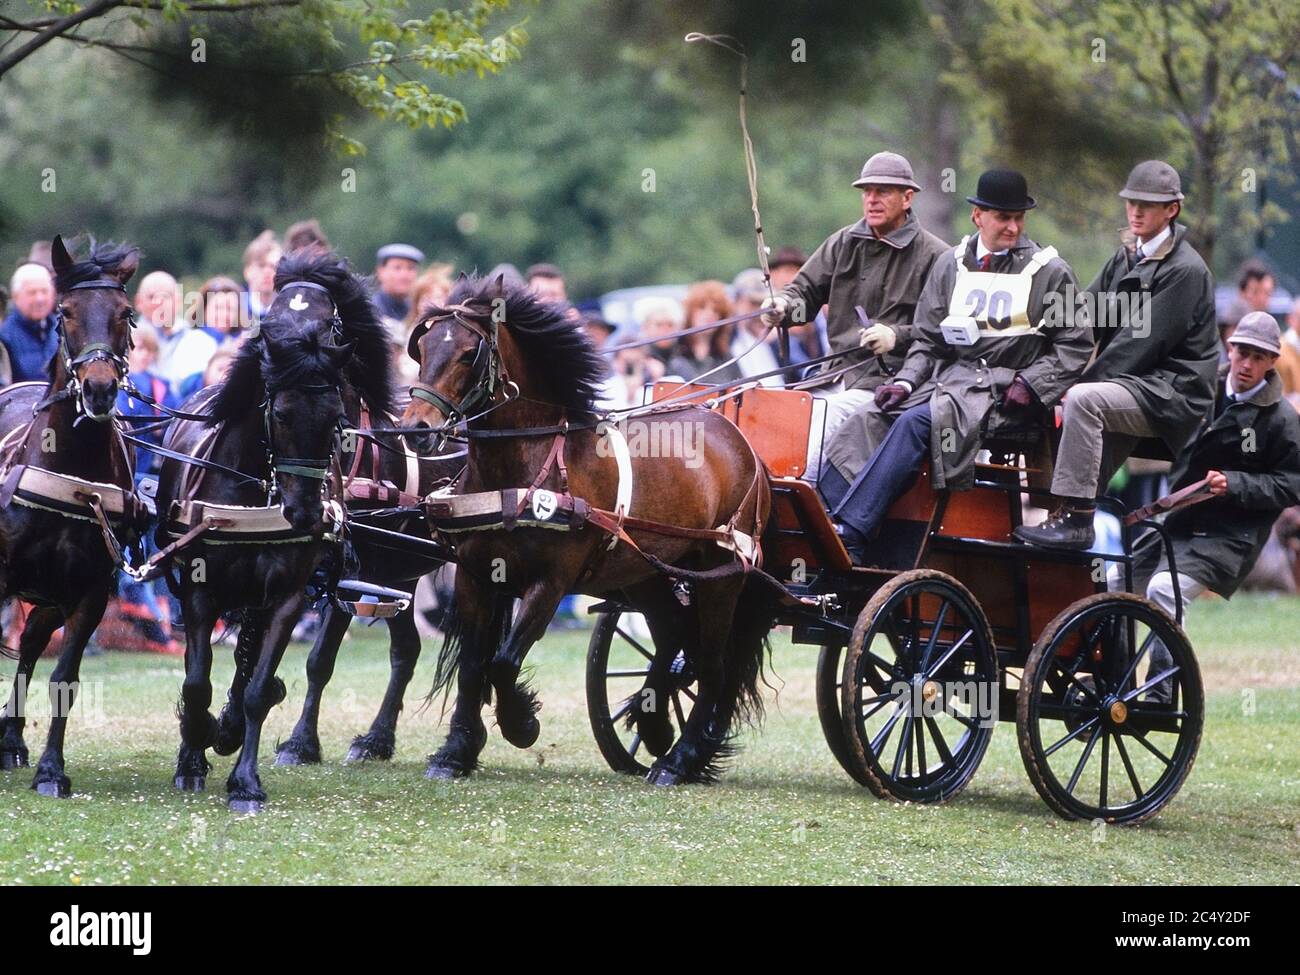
(919, 688)
(1108, 732)
(618, 662)
(829, 671)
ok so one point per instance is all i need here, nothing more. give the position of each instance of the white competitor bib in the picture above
(985, 304)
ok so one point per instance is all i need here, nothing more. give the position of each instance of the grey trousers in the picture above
(1160, 590)
(1102, 425)
(840, 405)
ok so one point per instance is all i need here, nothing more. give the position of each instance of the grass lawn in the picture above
(555, 814)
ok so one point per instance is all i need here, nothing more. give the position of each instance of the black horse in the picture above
(61, 450)
(276, 420)
(381, 462)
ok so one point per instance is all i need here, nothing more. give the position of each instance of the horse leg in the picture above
(692, 759)
(303, 746)
(403, 652)
(50, 778)
(230, 725)
(198, 726)
(41, 623)
(264, 691)
(650, 705)
(477, 620)
(517, 703)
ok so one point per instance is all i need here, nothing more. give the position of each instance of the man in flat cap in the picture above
(1249, 449)
(1000, 334)
(869, 275)
(396, 268)
(1157, 355)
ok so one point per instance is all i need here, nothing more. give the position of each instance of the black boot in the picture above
(1070, 526)
(855, 543)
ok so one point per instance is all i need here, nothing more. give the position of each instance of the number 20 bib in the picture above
(989, 305)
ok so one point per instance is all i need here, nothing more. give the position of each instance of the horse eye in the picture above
(468, 357)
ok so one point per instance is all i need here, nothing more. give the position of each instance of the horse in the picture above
(67, 502)
(375, 464)
(266, 444)
(523, 376)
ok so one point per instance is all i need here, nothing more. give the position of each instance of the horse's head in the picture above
(460, 369)
(94, 320)
(302, 377)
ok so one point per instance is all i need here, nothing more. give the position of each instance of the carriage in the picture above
(955, 627)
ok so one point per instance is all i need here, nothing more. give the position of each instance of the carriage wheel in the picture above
(829, 671)
(1104, 733)
(617, 662)
(919, 688)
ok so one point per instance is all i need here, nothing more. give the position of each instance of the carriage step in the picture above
(366, 599)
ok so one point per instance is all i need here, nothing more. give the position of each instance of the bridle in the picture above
(91, 352)
(487, 374)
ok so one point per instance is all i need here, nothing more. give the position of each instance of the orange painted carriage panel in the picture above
(979, 513)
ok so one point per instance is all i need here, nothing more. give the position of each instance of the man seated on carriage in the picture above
(1157, 352)
(1249, 449)
(871, 272)
(1001, 333)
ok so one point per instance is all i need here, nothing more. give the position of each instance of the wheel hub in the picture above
(1118, 712)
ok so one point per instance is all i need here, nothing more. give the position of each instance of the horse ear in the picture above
(499, 285)
(59, 255)
(339, 355)
(127, 267)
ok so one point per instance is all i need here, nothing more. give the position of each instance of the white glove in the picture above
(878, 338)
(775, 309)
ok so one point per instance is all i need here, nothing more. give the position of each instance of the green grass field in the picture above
(785, 813)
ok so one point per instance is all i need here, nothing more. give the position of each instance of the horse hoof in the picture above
(246, 807)
(524, 737)
(55, 790)
(12, 760)
(444, 773)
(291, 756)
(190, 783)
(663, 776)
(361, 753)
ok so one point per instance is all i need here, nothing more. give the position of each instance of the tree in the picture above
(1215, 79)
(387, 77)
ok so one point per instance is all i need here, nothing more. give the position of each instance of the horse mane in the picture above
(102, 259)
(301, 359)
(369, 371)
(552, 342)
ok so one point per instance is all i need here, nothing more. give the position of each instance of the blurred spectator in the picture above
(305, 234)
(260, 258)
(750, 288)
(396, 268)
(547, 282)
(597, 329)
(1288, 363)
(218, 310)
(28, 333)
(431, 290)
(1255, 286)
(510, 276)
(658, 318)
(785, 264)
(214, 372)
(183, 351)
(142, 358)
(700, 355)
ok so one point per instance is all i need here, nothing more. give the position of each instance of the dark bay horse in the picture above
(378, 460)
(273, 427)
(54, 552)
(521, 371)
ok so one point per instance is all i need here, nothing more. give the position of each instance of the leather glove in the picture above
(879, 339)
(891, 396)
(775, 309)
(1018, 399)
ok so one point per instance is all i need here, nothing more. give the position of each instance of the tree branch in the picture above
(59, 27)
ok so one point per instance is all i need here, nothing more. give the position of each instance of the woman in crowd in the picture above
(699, 355)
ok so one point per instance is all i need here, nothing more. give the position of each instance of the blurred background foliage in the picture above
(554, 159)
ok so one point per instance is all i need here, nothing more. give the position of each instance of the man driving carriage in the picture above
(870, 275)
(1249, 451)
(1157, 352)
(1000, 335)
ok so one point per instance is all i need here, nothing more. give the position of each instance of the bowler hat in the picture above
(1002, 189)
